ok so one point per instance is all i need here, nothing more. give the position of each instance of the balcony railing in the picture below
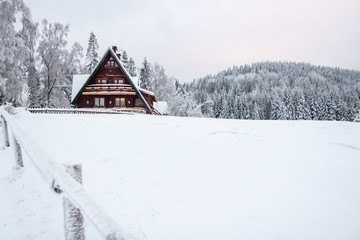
(109, 87)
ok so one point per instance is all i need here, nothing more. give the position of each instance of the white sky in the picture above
(193, 38)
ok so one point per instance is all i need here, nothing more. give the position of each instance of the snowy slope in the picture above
(188, 178)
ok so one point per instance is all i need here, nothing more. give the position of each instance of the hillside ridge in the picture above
(278, 90)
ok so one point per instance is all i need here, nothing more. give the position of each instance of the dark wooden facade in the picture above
(110, 86)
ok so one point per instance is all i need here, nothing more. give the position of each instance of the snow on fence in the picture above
(76, 200)
(87, 110)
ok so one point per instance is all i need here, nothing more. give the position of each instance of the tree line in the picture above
(278, 90)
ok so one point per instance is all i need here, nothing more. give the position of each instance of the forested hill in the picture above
(279, 90)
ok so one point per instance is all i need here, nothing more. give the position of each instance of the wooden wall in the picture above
(108, 73)
(88, 101)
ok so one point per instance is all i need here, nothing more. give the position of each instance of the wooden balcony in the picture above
(109, 89)
(109, 93)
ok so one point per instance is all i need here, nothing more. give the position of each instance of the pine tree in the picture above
(159, 81)
(218, 105)
(256, 112)
(225, 111)
(125, 59)
(145, 76)
(92, 56)
(314, 107)
(357, 117)
(279, 110)
(132, 68)
(322, 112)
(289, 104)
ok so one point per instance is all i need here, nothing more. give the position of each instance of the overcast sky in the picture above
(193, 38)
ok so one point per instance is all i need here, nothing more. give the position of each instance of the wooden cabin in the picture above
(111, 86)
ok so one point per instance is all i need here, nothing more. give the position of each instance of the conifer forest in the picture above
(279, 90)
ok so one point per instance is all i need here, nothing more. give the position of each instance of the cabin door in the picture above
(120, 102)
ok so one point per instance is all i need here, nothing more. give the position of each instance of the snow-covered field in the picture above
(193, 178)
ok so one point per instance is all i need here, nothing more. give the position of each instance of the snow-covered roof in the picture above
(136, 81)
(146, 91)
(162, 107)
(86, 78)
(78, 82)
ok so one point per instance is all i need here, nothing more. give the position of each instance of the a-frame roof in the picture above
(81, 81)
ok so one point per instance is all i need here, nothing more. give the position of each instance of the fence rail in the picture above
(87, 110)
(55, 176)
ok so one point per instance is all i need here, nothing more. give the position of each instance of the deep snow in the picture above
(196, 178)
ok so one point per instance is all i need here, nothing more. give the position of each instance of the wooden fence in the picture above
(88, 110)
(65, 182)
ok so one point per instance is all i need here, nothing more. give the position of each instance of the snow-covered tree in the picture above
(29, 35)
(161, 85)
(92, 56)
(279, 110)
(217, 106)
(57, 64)
(132, 68)
(145, 76)
(256, 112)
(357, 118)
(12, 80)
(125, 59)
(183, 105)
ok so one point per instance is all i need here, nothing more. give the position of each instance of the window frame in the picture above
(120, 102)
(101, 81)
(118, 81)
(111, 63)
(99, 102)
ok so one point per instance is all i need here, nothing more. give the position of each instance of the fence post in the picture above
(73, 218)
(5, 132)
(18, 154)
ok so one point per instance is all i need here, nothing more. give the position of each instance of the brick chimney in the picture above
(114, 48)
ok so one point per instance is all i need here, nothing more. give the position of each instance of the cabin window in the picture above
(99, 102)
(101, 81)
(120, 102)
(118, 81)
(111, 63)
